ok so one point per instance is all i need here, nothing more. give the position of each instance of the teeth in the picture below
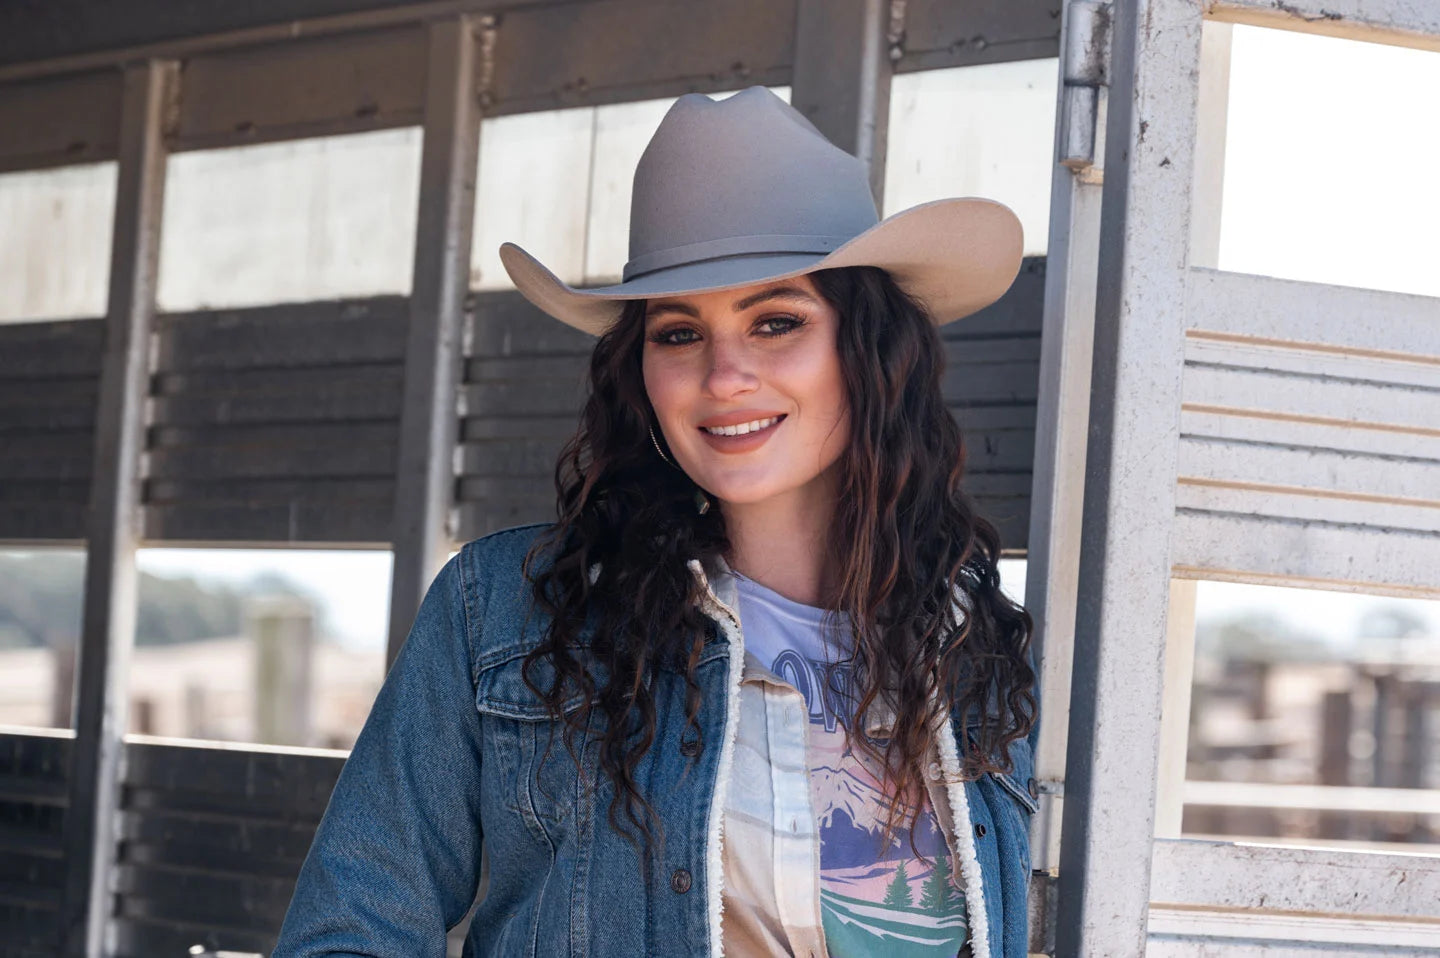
(742, 428)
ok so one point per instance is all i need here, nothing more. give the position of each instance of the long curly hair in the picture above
(909, 544)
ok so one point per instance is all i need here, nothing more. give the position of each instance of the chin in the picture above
(742, 493)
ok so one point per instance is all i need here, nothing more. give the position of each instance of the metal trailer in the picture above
(1132, 369)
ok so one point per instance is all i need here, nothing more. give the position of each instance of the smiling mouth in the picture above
(744, 428)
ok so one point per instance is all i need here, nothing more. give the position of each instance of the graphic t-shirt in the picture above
(873, 900)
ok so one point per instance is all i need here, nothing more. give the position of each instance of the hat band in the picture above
(729, 246)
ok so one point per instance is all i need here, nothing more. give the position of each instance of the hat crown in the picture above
(747, 174)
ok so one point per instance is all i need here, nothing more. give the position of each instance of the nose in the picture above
(730, 372)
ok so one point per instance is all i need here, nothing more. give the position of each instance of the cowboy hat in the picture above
(746, 190)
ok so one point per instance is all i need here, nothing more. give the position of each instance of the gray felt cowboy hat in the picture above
(745, 190)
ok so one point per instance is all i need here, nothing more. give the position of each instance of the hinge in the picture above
(1086, 56)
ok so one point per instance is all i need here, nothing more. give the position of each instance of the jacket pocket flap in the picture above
(500, 689)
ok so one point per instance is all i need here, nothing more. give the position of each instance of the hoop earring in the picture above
(656, 443)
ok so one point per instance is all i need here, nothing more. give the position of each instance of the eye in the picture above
(674, 336)
(773, 326)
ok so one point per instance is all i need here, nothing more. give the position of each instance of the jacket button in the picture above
(690, 748)
(680, 881)
(1033, 789)
(979, 830)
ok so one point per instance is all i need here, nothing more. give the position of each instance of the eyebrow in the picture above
(740, 305)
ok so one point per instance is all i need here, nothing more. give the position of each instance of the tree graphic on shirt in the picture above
(898, 894)
(937, 895)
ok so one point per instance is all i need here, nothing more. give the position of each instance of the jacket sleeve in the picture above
(396, 859)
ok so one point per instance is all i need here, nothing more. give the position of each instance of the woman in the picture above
(757, 691)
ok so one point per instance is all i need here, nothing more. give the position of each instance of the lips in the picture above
(740, 432)
(741, 429)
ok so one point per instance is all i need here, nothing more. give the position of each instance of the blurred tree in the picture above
(1257, 635)
(41, 598)
(1390, 621)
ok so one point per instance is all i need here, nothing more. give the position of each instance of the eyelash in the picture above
(662, 337)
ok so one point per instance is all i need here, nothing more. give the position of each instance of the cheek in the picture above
(662, 383)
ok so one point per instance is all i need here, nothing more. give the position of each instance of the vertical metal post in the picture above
(841, 80)
(425, 472)
(1129, 497)
(108, 627)
(1062, 404)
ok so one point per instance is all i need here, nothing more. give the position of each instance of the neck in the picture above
(784, 543)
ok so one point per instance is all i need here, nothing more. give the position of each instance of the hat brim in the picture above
(956, 256)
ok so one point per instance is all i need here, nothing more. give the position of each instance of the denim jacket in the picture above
(453, 755)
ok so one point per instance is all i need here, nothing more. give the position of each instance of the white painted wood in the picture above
(1290, 311)
(1171, 788)
(1323, 470)
(1316, 360)
(1278, 878)
(1245, 548)
(1211, 115)
(1130, 480)
(1408, 23)
(1286, 933)
(1248, 425)
(1267, 500)
(1347, 798)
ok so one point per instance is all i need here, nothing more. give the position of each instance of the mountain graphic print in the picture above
(873, 901)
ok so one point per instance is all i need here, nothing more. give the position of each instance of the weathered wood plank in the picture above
(163, 492)
(940, 34)
(43, 522)
(350, 523)
(664, 49)
(1008, 382)
(47, 456)
(298, 385)
(358, 81)
(270, 847)
(59, 120)
(63, 349)
(258, 783)
(298, 334)
(341, 451)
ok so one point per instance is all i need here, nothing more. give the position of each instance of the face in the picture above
(748, 389)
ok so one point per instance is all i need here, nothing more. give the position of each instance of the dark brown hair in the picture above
(907, 540)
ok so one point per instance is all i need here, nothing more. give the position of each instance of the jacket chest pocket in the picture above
(530, 772)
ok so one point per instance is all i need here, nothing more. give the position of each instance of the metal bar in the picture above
(842, 77)
(116, 513)
(429, 427)
(1123, 596)
(1405, 23)
(1062, 419)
